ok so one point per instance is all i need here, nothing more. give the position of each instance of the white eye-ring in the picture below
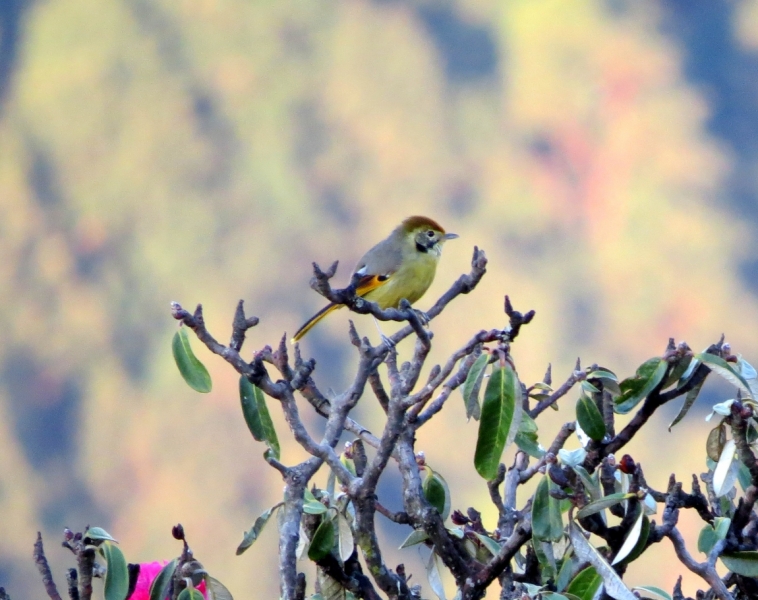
(430, 233)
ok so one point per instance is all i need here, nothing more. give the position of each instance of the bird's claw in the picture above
(387, 341)
(423, 317)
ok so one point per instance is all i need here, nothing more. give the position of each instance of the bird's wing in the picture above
(376, 267)
(366, 283)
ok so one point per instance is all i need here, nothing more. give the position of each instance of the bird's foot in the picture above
(423, 317)
(387, 341)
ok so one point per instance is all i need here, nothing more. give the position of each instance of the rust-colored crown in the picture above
(418, 221)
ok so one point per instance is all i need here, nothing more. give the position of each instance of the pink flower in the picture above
(147, 573)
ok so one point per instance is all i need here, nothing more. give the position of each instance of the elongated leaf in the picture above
(257, 528)
(492, 546)
(472, 386)
(546, 558)
(572, 458)
(437, 492)
(590, 482)
(547, 524)
(614, 587)
(323, 541)
(190, 594)
(331, 589)
(256, 415)
(566, 571)
(635, 389)
(117, 575)
(742, 563)
(500, 398)
(589, 417)
(724, 476)
(641, 545)
(709, 535)
(433, 573)
(714, 444)
(345, 542)
(160, 586)
(192, 370)
(608, 379)
(528, 443)
(98, 534)
(602, 504)
(215, 590)
(311, 505)
(689, 400)
(586, 584)
(723, 369)
(417, 536)
(678, 369)
(656, 591)
(631, 539)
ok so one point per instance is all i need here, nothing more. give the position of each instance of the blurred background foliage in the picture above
(603, 152)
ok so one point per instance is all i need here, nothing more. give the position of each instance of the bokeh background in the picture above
(604, 153)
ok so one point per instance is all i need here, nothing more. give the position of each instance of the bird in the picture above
(402, 265)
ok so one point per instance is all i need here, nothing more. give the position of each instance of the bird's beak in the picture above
(451, 236)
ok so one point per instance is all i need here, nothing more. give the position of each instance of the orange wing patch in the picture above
(369, 283)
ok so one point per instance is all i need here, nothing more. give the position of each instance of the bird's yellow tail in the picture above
(313, 320)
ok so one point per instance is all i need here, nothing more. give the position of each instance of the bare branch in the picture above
(704, 570)
(44, 569)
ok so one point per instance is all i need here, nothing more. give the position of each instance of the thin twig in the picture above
(44, 569)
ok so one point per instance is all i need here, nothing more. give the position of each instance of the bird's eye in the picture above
(430, 233)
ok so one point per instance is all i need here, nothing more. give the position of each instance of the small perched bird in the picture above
(401, 266)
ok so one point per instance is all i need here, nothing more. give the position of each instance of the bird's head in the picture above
(426, 234)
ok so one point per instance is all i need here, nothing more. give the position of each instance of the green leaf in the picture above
(566, 570)
(117, 575)
(436, 492)
(472, 386)
(345, 543)
(331, 589)
(162, 583)
(215, 590)
(722, 368)
(417, 536)
(500, 398)
(714, 444)
(632, 538)
(602, 504)
(322, 542)
(98, 534)
(491, 545)
(529, 444)
(635, 389)
(256, 415)
(193, 371)
(709, 534)
(312, 506)
(724, 475)
(257, 528)
(608, 379)
(590, 482)
(190, 594)
(547, 523)
(641, 544)
(689, 400)
(742, 563)
(678, 369)
(434, 576)
(651, 589)
(589, 417)
(585, 551)
(586, 584)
